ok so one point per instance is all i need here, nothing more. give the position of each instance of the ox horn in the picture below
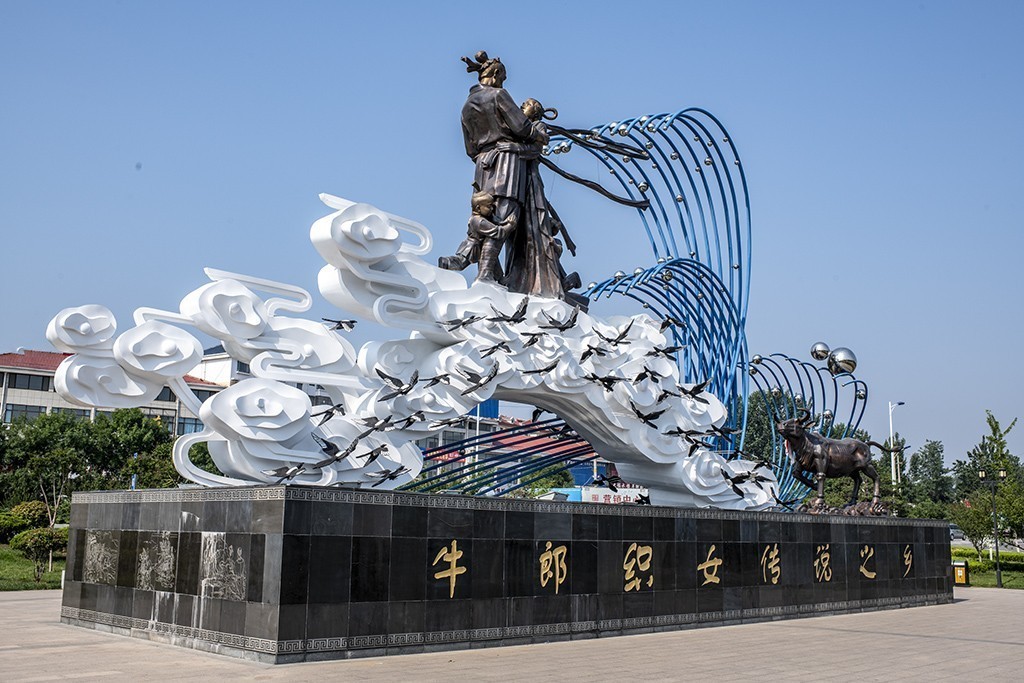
(806, 419)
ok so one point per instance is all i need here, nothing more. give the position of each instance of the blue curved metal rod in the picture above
(569, 465)
(487, 462)
(540, 463)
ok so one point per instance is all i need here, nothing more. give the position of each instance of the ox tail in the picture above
(888, 450)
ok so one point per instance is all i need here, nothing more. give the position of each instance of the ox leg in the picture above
(820, 476)
(869, 470)
(798, 474)
(856, 487)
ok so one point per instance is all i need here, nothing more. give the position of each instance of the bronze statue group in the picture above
(510, 210)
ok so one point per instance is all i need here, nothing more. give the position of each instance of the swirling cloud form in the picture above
(469, 343)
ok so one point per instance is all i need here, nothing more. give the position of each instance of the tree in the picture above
(553, 477)
(990, 454)
(974, 517)
(758, 439)
(929, 479)
(120, 437)
(57, 438)
(40, 544)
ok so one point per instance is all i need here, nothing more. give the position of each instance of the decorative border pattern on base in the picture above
(343, 495)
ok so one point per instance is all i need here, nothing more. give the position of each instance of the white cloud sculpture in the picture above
(466, 345)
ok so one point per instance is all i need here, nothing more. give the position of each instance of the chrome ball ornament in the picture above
(820, 351)
(842, 360)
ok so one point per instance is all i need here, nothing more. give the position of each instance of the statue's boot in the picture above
(489, 270)
(457, 262)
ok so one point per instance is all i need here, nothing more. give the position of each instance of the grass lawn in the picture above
(983, 573)
(17, 573)
(1011, 579)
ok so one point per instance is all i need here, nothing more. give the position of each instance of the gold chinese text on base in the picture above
(552, 565)
(710, 567)
(908, 559)
(451, 556)
(866, 553)
(771, 568)
(822, 563)
(638, 558)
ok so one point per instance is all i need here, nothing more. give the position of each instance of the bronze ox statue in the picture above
(827, 458)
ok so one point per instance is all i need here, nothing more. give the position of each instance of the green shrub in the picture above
(11, 525)
(33, 512)
(37, 544)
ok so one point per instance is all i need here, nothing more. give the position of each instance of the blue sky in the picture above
(882, 144)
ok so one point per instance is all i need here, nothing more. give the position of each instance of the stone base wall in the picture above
(282, 574)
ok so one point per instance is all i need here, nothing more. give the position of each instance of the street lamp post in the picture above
(993, 484)
(897, 475)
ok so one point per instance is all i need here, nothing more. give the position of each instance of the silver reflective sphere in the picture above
(643, 119)
(679, 197)
(841, 360)
(666, 275)
(646, 305)
(776, 392)
(707, 161)
(820, 351)
(650, 128)
(673, 156)
(638, 271)
(752, 371)
(642, 187)
(797, 398)
(625, 159)
(861, 394)
(756, 360)
(662, 259)
(649, 145)
(619, 275)
(827, 414)
(591, 285)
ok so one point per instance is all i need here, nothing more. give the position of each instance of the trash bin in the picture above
(961, 573)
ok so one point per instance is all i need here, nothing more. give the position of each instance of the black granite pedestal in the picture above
(283, 574)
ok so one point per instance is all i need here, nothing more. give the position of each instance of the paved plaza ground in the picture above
(979, 636)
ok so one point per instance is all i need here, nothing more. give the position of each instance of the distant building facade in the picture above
(27, 391)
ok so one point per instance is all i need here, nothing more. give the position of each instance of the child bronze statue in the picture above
(483, 241)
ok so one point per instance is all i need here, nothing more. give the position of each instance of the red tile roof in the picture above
(47, 361)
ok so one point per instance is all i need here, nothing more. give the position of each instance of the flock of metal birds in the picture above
(475, 381)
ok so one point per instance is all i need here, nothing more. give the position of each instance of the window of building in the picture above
(320, 400)
(14, 411)
(166, 395)
(203, 394)
(449, 437)
(189, 425)
(244, 367)
(80, 413)
(429, 442)
(165, 416)
(32, 382)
